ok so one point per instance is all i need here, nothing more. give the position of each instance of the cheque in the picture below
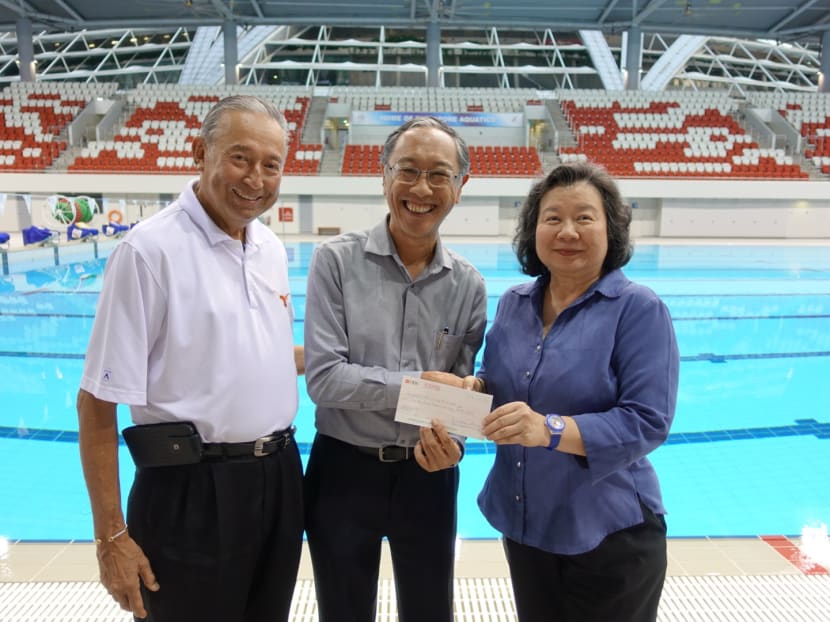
(461, 411)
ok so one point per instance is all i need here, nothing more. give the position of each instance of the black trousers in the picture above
(353, 501)
(619, 581)
(223, 537)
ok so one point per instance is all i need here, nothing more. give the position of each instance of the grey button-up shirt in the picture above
(368, 325)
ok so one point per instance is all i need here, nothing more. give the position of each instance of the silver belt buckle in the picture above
(260, 443)
(382, 454)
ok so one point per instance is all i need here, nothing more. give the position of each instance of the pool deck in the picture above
(757, 579)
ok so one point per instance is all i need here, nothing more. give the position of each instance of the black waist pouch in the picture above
(163, 444)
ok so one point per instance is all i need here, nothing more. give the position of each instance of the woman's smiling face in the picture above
(572, 231)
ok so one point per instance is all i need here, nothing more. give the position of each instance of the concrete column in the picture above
(633, 51)
(25, 50)
(824, 63)
(231, 53)
(433, 53)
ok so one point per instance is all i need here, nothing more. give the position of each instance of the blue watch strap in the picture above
(555, 425)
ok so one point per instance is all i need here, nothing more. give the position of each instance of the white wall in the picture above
(672, 208)
(755, 218)
(14, 213)
(347, 213)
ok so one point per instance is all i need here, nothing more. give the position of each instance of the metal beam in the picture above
(610, 7)
(795, 12)
(652, 6)
(257, 8)
(602, 58)
(822, 25)
(222, 10)
(671, 61)
(71, 11)
(20, 8)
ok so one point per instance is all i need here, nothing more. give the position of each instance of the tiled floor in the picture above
(63, 561)
(752, 579)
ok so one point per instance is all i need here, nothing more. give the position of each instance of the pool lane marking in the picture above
(802, 427)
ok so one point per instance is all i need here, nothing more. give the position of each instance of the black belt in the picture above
(389, 453)
(264, 446)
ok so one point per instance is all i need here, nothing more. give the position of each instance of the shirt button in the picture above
(519, 465)
(538, 347)
(527, 374)
(518, 497)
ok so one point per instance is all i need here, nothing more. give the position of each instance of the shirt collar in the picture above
(380, 242)
(609, 285)
(214, 235)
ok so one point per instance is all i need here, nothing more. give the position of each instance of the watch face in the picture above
(555, 424)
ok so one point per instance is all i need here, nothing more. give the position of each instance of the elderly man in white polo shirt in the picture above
(194, 332)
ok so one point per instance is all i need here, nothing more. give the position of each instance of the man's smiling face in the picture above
(418, 209)
(241, 169)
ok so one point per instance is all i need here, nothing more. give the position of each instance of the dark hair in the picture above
(617, 215)
(428, 122)
(240, 103)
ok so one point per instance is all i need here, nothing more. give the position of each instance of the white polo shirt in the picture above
(189, 327)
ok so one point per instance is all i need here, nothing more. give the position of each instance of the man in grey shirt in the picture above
(381, 305)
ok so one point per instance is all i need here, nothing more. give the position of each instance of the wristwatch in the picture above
(555, 425)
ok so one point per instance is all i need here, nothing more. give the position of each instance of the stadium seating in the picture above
(631, 133)
(34, 117)
(362, 160)
(667, 135)
(809, 114)
(513, 161)
(485, 161)
(157, 137)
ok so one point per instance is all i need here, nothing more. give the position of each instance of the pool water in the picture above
(749, 451)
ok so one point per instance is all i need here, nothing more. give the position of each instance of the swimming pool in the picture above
(749, 451)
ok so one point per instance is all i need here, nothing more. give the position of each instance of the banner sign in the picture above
(466, 119)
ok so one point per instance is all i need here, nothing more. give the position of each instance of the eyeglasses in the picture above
(410, 175)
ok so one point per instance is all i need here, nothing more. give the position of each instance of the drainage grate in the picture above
(768, 598)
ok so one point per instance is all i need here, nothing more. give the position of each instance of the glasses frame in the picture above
(396, 168)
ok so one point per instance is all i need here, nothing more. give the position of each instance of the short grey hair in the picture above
(429, 122)
(240, 103)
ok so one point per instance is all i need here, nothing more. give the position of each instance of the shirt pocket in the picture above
(445, 350)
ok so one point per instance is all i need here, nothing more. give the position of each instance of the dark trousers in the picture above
(619, 581)
(353, 501)
(223, 537)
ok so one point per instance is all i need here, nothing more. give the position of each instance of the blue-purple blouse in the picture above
(611, 361)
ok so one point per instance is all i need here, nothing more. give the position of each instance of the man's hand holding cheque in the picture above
(443, 397)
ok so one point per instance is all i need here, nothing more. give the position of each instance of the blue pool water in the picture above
(749, 452)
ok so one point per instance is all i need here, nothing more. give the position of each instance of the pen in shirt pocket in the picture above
(446, 331)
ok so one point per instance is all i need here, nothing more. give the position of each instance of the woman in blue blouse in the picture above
(583, 368)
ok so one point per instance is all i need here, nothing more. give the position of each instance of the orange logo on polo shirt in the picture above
(284, 298)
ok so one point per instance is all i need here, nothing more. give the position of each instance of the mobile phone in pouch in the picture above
(163, 444)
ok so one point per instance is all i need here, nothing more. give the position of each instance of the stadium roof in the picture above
(783, 20)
